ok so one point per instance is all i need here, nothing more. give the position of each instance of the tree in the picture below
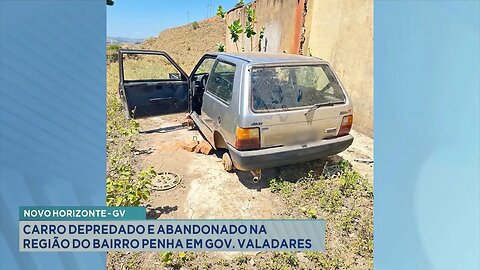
(110, 2)
(220, 12)
(240, 3)
(236, 28)
(235, 31)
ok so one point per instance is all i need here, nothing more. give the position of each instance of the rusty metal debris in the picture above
(366, 161)
(143, 151)
(188, 122)
(331, 171)
(166, 181)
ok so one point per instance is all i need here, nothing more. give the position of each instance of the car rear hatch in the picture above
(298, 104)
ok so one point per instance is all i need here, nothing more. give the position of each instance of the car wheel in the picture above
(227, 162)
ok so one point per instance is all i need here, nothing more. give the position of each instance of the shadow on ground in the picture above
(291, 173)
(163, 129)
(154, 213)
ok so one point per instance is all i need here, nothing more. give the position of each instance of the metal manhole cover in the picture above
(166, 180)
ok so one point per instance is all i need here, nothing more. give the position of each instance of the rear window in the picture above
(293, 87)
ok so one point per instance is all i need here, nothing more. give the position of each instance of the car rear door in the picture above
(151, 83)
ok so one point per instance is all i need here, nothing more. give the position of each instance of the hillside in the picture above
(187, 43)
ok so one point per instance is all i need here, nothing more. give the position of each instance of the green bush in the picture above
(123, 185)
(113, 47)
(125, 190)
(195, 25)
(112, 52)
(220, 47)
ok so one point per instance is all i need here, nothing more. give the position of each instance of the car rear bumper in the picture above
(286, 155)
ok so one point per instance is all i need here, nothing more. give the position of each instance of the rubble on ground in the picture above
(203, 147)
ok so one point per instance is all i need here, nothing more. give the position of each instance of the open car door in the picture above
(151, 83)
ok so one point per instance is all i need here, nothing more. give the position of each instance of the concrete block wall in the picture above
(339, 31)
(281, 19)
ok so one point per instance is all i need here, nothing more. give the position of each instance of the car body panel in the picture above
(287, 136)
(144, 98)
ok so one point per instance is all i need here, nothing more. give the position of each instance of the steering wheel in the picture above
(204, 80)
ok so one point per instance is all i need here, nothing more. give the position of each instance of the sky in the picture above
(147, 18)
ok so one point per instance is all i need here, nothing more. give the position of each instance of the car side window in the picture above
(205, 67)
(220, 82)
(148, 67)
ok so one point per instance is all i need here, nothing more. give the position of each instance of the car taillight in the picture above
(247, 138)
(346, 125)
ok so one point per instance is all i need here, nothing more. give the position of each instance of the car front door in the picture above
(151, 83)
(218, 95)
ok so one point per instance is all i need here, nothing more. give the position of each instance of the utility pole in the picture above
(210, 10)
(188, 17)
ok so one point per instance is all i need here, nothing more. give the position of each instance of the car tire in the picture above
(227, 162)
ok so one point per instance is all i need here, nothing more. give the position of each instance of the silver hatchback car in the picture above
(264, 109)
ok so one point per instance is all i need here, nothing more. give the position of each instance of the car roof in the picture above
(270, 58)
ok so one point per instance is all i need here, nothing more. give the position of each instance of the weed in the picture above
(240, 3)
(280, 261)
(324, 260)
(195, 26)
(349, 220)
(363, 245)
(220, 47)
(175, 259)
(351, 182)
(241, 259)
(249, 24)
(223, 262)
(112, 52)
(124, 187)
(166, 257)
(349, 224)
(314, 189)
(332, 200)
(113, 47)
(132, 261)
(125, 191)
(282, 186)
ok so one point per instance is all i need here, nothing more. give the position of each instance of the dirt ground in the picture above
(206, 190)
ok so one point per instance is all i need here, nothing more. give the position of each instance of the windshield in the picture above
(294, 86)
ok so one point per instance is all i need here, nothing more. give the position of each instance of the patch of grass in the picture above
(325, 260)
(147, 67)
(125, 186)
(113, 47)
(349, 220)
(112, 53)
(175, 260)
(351, 182)
(279, 261)
(332, 200)
(363, 244)
(223, 262)
(344, 202)
(280, 186)
(241, 260)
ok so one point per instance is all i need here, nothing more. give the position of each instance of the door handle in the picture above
(155, 100)
(219, 120)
